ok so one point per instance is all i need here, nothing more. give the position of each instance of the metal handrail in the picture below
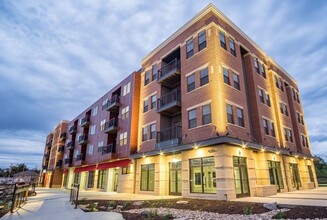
(170, 97)
(172, 65)
(111, 101)
(169, 134)
(19, 196)
(111, 123)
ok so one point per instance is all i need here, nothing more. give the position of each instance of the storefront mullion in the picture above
(203, 175)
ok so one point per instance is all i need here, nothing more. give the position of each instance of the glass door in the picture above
(116, 179)
(295, 175)
(175, 178)
(275, 174)
(241, 177)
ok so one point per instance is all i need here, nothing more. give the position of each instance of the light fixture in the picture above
(161, 153)
(175, 160)
(262, 149)
(143, 156)
(278, 152)
(196, 146)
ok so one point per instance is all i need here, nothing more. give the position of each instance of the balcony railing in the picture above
(63, 136)
(82, 139)
(170, 103)
(111, 126)
(110, 148)
(70, 145)
(112, 104)
(61, 148)
(169, 75)
(72, 129)
(80, 157)
(85, 122)
(49, 144)
(169, 137)
(46, 156)
(68, 161)
(59, 163)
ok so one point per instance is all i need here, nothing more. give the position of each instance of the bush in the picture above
(280, 215)
(168, 216)
(247, 210)
(153, 213)
(111, 204)
(93, 207)
(126, 203)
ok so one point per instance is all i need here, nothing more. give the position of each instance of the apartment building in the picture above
(218, 117)
(101, 139)
(51, 172)
(209, 115)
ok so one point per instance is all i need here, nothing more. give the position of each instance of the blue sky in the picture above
(56, 58)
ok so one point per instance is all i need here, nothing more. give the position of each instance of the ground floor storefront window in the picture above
(311, 174)
(102, 179)
(76, 178)
(147, 177)
(90, 180)
(203, 175)
(275, 174)
(295, 175)
(241, 177)
(65, 181)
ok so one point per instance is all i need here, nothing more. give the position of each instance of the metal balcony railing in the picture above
(112, 103)
(110, 148)
(80, 157)
(170, 100)
(72, 129)
(85, 121)
(169, 137)
(82, 139)
(111, 126)
(70, 145)
(63, 136)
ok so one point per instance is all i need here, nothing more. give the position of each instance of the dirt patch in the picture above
(304, 212)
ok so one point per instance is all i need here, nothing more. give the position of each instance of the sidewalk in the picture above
(53, 204)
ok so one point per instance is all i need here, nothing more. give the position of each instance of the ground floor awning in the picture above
(84, 169)
(118, 163)
(65, 171)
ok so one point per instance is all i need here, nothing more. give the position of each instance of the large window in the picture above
(256, 65)
(267, 99)
(272, 129)
(222, 40)
(152, 131)
(288, 135)
(230, 116)
(154, 71)
(204, 77)
(311, 174)
(203, 175)
(240, 117)
(145, 105)
(236, 81)
(202, 40)
(260, 91)
(206, 114)
(189, 48)
(232, 47)
(192, 118)
(265, 126)
(153, 101)
(90, 180)
(123, 139)
(102, 179)
(147, 177)
(76, 178)
(191, 83)
(275, 174)
(147, 77)
(263, 71)
(226, 76)
(144, 133)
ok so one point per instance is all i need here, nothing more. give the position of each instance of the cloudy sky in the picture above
(57, 57)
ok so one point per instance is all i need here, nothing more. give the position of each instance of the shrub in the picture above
(168, 216)
(111, 204)
(247, 210)
(126, 203)
(93, 207)
(280, 215)
(153, 213)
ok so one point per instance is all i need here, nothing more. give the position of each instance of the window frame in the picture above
(222, 40)
(204, 79)
(236, 84)
(192, 122)
(206, 118)
(232, 47)
(240, 120)
(203, 44)
(146, 77)
(230, 115)
(189, 51)
(190, 86)
(147, 168)
(226, 77)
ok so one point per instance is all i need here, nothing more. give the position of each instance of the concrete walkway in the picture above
(53, 204)
(314, 197)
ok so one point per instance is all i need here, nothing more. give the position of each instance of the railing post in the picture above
(13, 199)
(76, 201)
(71, 193)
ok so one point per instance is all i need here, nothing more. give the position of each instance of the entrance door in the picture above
(175, 178)
(275, 174)
(116, 179)
(295, 175)
(241, 177)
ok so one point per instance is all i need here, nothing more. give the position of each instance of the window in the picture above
(303, 140)
(203, 175)
(95, 111)
(92, 130)
(90, 179)
(102, 179)
(192, 118)
(202, 40)
(281, 108)
(240, 117)
(265, 126)
(145, 105)
(232, 47)
(204, 77)
(154, 71)
(281, 84)
(302, 121)
(236, 81)
(298, 116)
(206, 114)
(311, 174)
(261, 96)
(272, 129)
(123, 138)
(189, 48)
(152, 131)
(125, 170)
(153, 101)
(76, 178)
(256, 66)
(288, 135)
(126, 89)
(285, 110)
(263, 71)
(229, 110)
(276, 81)
(102, 124)
(147, 77)
(100, 144)
(190, 83)
(90, 149)
(267, 99)
(147, 177)
(222, 40)
(226, 76)
(125, 112)
(144, 133)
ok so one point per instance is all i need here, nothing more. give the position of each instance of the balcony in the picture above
(110, 148)
(72, 129)
(59, 163)
(68, 161)
(61, 148)
(170, 104)
(47, 156)
(49, 144)
(169, 75)
(70, 145)
(80, 157)
(85, 122)
(112, 104)
(63, 136)
(82, 139)
(169, 137)
(111, 126)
